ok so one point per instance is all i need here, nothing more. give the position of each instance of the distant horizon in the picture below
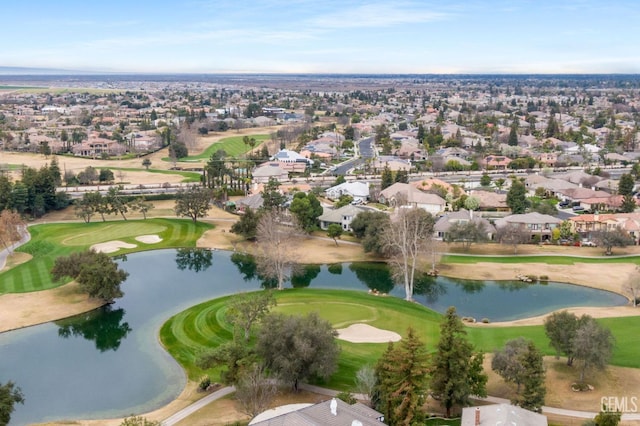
(39, 72)
(422, 37)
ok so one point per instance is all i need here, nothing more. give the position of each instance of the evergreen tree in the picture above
(626, 184)
(532, 397)
(517, 197)
(387, 178)
(513, 134)
(485, 180)
(455, 373)
(271, 195)
(402, 380)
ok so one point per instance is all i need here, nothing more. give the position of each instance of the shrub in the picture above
(347, 397)
(204, 384)
(485, 320)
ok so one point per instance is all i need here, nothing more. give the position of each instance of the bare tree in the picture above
(407, 237)
(365, 381)
(11, 228)
(631, 286)
(513, 234)
(188, 136)
(277, 241)
(255, 391)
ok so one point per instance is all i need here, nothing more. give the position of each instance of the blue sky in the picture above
(324, 36)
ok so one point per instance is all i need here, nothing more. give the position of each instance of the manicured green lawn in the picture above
(201, 327)
(49, 241)
(233, 146)
(551, 260)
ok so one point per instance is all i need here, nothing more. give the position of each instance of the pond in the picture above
(109, 363)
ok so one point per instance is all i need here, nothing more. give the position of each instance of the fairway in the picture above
(49, 241)
(234, 146)
(113, 231)
(203, 327)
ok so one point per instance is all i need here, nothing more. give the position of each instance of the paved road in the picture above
(5, 252)
(187, 411)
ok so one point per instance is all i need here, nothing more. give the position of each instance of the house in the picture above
(539, 225)
(404, 194)
(357, 190)
(443, 224)
(266, 171)
(586, 224)
(496, 162)
(334, 412)
(253, 202)
(490, 201)
(342, 216)
(501, 414)
(287, 156)
(393, 163)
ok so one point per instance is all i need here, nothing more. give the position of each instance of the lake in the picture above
(109, 363)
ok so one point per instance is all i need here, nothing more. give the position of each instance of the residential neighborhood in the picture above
(285, 188)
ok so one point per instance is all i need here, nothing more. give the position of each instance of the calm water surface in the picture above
(109, 363)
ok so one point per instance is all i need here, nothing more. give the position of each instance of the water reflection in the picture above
(303, 276)
(430, 287)
(193, 259)
(376, 276)
(248, 269)
(103, 326)
(335, 269)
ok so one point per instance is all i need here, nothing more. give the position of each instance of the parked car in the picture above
(578, 209)
(587, 243)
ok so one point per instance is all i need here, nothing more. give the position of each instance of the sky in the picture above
(323, 36)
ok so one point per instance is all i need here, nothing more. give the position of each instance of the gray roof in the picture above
(320, 415)
(335, 216)
(502, 414)
(527, 218)
(444, 223)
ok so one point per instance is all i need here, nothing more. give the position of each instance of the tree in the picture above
(513, 234)
(369, 227)
(334, 231)
(271, 195)
(339, 180)
(612, 238)
(142, 206)
(105, 175)
(247, 225)
(246, 309)
(96, 273)
(467, 233)
(365, 381)
(631, 287)
(561, 328)
(193, 202)
(276, 246)
(409, 234)
(628, 204)
(344, 200)
(513, 134)
(297, 348)
(306, 208)
(485, 180)
(507, 361)
(532, 397)
(11, 227)
(606, 417)
(471, 203)
(178, 150)
(402, 374)
(115, 200)
(254, 390)
(626, 184)
(592, 346)
(10, 395)
(387, 178)
(517, 197)
(146, 163)
(456, 371)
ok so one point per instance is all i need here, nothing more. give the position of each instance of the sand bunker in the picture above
(149, 239)
(111, 246)
(363, 333)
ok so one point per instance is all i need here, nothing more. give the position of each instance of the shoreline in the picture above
(66, 301)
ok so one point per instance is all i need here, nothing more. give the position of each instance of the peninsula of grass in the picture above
(234, 146)
(203, 327)
(547, 259)
(49, 241)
